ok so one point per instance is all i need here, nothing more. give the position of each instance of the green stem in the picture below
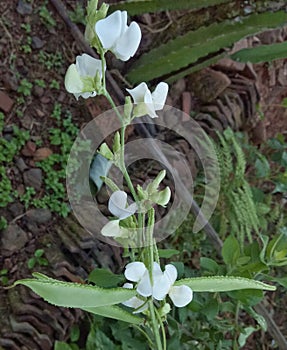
(155, 326)
(162, 329)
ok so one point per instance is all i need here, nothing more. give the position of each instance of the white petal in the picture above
(117, 205)
(138, 92)
(180, 295)
(144, 287)
(128, 43)
(73, 81)
(135, 271)
(112, 229)
(128, 286)
(109, 29)
(171, 273)
(159, 95)
(88, 65)
(161, 286)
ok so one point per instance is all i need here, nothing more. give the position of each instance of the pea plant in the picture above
(150, 291)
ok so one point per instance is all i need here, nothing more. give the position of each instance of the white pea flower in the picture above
(148, 102)
(118, 207)
(162, 283)
(135, 302)
(115, 35)
(82, 78)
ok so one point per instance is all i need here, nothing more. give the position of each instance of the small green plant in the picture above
(40, 83)
(50, 60)
(37, 259)
(3, 223)
(46, 17)
(78, 15)
(4, 277)
(54, 84)
(26, 198)
(25, 87)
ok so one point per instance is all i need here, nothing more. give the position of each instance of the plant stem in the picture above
(155, 326)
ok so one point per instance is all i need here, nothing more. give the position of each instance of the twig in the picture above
(211, 233)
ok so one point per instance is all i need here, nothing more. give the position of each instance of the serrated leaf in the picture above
(114, 312)
(137, 7)
(187, 49)
(74, 294)
(222, 284)
(263, 53)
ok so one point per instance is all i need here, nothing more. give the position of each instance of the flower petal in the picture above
(159, 95)
(112, 229)
(134, 271)
(128, 43)
(117, 205)
(88, 65)
(73, 82)
(161, 287)
(171, 273)
(181, 295)
(144, 287)
(109, 29)
(138, 92)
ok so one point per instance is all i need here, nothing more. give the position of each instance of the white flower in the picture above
(135, 302)
(148, 102)
(81, 77)
(115, 35)
(162, 283)
(118, 207)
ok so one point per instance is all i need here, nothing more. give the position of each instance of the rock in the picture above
(42, 153)
(45, 99)
(39, 216)
(27, 122)
(24, 8)
(10, 82)
(29, 149)
(38, 91)
(16, 209)
(33, 178)
(208, 84)
(6, 103)
(21, 165)
(37, 43)
(13, 238)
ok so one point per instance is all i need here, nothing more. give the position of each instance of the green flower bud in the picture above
(106, 152)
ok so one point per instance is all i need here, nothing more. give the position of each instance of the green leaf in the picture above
(60, 345)
(114, 312)
(167, 253)
(38, 253)
(222, 284)
(245, 334)
(74, 294)
(263, 53)
(259, 318)
(262, 167)
(105, 278)
(248, 297)
(75, 333)
(281, 280)
(209, 264)
(137, 7)
(185, 50)
(230, 250)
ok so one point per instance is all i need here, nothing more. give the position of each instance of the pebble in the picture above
(39, 216)
(6, 103)
(13, 238)
(21, 165)
(27, 122)
(37, 43)
(16, 209)
(33, 178)
(38, 91)
(29, 149)
(24, 8)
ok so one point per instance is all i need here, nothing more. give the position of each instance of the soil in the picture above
(26, 322)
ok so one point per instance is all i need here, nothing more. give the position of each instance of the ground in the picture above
(36, 48)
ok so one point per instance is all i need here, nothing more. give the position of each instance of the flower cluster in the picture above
(161, 285)
(85, 77)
